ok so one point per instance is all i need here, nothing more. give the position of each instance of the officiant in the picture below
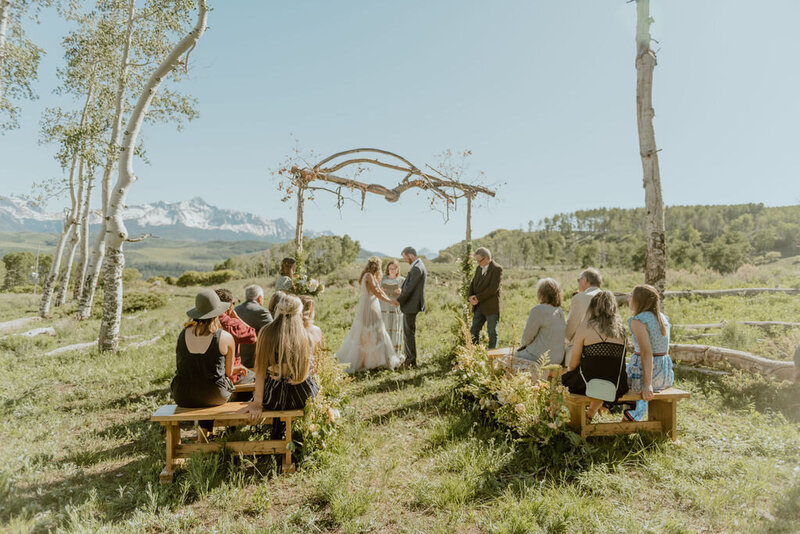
(485, 296)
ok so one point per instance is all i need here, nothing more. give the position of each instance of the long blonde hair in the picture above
(373, 267)
(283, 348)
(645, 298)
(603, 315)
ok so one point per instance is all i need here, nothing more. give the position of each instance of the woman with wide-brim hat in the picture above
(204, 357)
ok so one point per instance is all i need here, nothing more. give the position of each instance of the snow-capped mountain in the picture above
(193, 219)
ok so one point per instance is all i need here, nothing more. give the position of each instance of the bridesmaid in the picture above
(392, 316)
(285, 279)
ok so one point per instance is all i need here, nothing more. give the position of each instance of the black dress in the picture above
(200, 379)
(281, 394)
(604, 360)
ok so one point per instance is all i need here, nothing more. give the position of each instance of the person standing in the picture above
(285, 280)
(392, 316)
(252, 312)
(485, 296)
(589, 283)
(412, 301)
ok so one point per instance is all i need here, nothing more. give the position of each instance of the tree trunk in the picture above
(656, 258)
(66, 274)
(298, 231)
(112, 154)
(84, 245)
(469, 225)
(50, 282)
(4, 5)
(117, 232)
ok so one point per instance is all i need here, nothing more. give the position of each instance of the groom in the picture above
(412, 301)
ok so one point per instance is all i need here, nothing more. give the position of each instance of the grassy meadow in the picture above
(79, 454)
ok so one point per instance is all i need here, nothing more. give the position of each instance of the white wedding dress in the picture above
(368, 345)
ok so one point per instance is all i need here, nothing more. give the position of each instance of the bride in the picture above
(368, 345)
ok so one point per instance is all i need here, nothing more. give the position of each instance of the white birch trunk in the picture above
(298, 231)
(63, 285)
(84, 244)
(99, 248)
(49, 285)
(655, 271)
(4, 6)
(117, 232)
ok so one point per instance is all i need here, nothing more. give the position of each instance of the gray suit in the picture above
(412, 301)
(257, 316)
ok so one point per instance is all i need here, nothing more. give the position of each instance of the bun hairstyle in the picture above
(603, 315)
(274, 300)
(373, 267)
(283, 348)
(645, 298)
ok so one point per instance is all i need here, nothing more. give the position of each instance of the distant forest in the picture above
(722, 238)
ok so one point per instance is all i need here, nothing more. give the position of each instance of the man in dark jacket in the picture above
(252, 312)
(485, 297)
(412, 301)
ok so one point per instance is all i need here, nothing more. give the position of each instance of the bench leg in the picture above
(173, 440)
(577, 417)
(288, 465)
(665, 412)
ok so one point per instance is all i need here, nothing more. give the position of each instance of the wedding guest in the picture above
(650, 367)
(544, 331)
(252, 312)
(314, 332)
(283, 365)
(243, 334)
(272, 305)
(589, 283)
(392, 315)
(598, 350)
(285, 280)
(412, 301)
(204, 357)
(485, 296)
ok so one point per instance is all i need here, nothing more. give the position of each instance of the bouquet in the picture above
(303, 285)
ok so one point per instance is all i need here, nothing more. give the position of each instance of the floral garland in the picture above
(532, 408)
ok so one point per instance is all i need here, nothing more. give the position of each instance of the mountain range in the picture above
(189, 220)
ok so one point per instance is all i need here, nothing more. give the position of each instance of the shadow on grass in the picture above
(741, 391)
(424, 406)
(786, 512)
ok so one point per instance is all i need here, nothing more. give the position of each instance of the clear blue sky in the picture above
(543, 92)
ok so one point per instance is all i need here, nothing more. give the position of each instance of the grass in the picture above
(79, 453)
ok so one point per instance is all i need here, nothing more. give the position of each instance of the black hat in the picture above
(207, 305)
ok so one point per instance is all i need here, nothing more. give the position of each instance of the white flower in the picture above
(313, 285)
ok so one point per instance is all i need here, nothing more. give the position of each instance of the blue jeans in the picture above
(478, 320)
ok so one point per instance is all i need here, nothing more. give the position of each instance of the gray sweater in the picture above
(544, 331)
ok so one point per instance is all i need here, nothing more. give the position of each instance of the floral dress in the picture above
(663, 376)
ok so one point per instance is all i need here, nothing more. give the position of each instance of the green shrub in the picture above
(143, 301)
(195, 278)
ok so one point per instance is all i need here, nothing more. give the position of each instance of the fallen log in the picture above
(146, 342)
(710, 356)
(737, 292)
(759, 324)
(45, 330)
(16, 324)
(87, 345)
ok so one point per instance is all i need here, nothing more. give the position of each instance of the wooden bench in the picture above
(661, 411)
(229, 414)
(245, 388)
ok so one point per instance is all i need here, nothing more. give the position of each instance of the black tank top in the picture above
(200, 379)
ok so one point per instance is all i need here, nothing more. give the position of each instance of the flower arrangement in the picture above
(323, 414)
(303, 285)
(530, 407)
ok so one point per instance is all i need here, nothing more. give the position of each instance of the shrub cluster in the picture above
(531, 408)
(196, 278)
(143, 301)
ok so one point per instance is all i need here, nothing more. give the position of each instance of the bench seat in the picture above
(661, 411)
(228, 414)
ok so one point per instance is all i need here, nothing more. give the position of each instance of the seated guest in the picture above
(598, 350)
(283, 365)
(286, 278)
(544, 331)
(204, 357)
(650, 368)
(589, 283)
(243, 334)
(274, 300)
(314, 332)
(252, 312)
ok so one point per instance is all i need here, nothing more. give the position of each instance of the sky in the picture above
(541, 91)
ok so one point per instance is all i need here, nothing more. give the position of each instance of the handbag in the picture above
(602, 389)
